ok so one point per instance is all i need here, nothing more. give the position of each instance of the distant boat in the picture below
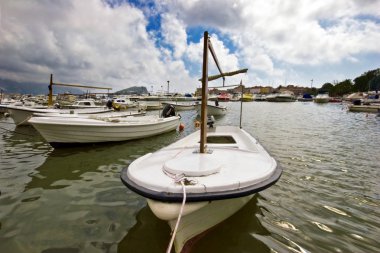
(21, 114)
(60, 131)
(224, 97)
(322, 98)
(247, 97)
(214, 110)
(181, 106)
(306, 98)
(372, 108)
(281, 97)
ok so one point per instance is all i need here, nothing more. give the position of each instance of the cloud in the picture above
(82, 42)
(269, 34)
(112, 43)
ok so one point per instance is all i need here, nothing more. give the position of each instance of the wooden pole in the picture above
(50, 101)
(203, 140)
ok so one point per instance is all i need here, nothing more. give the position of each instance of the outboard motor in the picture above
(168, 111)
(109, 104)
(210, 121)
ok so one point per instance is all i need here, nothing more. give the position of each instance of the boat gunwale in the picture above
(204, 196)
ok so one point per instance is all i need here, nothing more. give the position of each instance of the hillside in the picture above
(135, 90)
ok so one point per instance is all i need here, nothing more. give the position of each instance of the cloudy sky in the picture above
(126, 43)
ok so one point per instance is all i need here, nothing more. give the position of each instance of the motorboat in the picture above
(181, 106)
(83, 103)
(322, 98)
(281, 97)
(224, 97)
(204, 178)
(21, 114)
(214, 110)
(247, 97)
(306, 98)
(123, 103)
(372, 108)
(61, 131)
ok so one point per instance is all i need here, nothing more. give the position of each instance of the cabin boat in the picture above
(204, 178)
(322, 98)
(281, 97)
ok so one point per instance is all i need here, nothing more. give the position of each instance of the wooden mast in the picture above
(203, 140)
(205, 78)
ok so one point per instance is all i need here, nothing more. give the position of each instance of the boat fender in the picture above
(168, 111)
(181, 127)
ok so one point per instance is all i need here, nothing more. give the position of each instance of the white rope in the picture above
(178, 219)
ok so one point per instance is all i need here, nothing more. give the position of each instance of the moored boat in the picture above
(59, 131)
(322, 98)
(21, 114)
(181, 106)
(281, 97)
(204, 178)
(214, 110)
(372, 108)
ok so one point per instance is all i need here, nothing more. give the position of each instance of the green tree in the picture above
(374, 83)
(342, 88)
(361, 83)
(326, 88)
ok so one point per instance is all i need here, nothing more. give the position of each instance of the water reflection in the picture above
(65, 165)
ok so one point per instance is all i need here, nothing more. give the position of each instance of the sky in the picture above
(120, 43)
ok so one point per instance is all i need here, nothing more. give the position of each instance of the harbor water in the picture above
(72, 200)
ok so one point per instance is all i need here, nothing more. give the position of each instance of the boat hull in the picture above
(364, 108)
(197, 218)
(21, 115)
(60, 131)
(213, 110)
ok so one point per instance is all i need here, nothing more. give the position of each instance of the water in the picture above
(72, 200)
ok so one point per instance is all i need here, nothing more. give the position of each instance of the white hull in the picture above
(322, 99)
(21, 115)
(221, 181)
(197, 218)
(81, 130)
(181, 106)
(364, 108)
(281, 98)
(213, 110)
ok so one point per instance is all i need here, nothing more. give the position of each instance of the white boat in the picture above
(372, 108)
(84, 103)
(21, 114)
(322, 98)
(281, 97)
(112, 114)
(60, 131)
(180, 106)
(123, 103)
(204, 178)
(214, 110)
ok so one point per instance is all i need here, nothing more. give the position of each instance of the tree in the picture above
(374, 83)
(326, 88)
(361, 83)
(342, 88)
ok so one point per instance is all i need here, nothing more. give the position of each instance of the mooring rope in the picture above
(179, 217)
